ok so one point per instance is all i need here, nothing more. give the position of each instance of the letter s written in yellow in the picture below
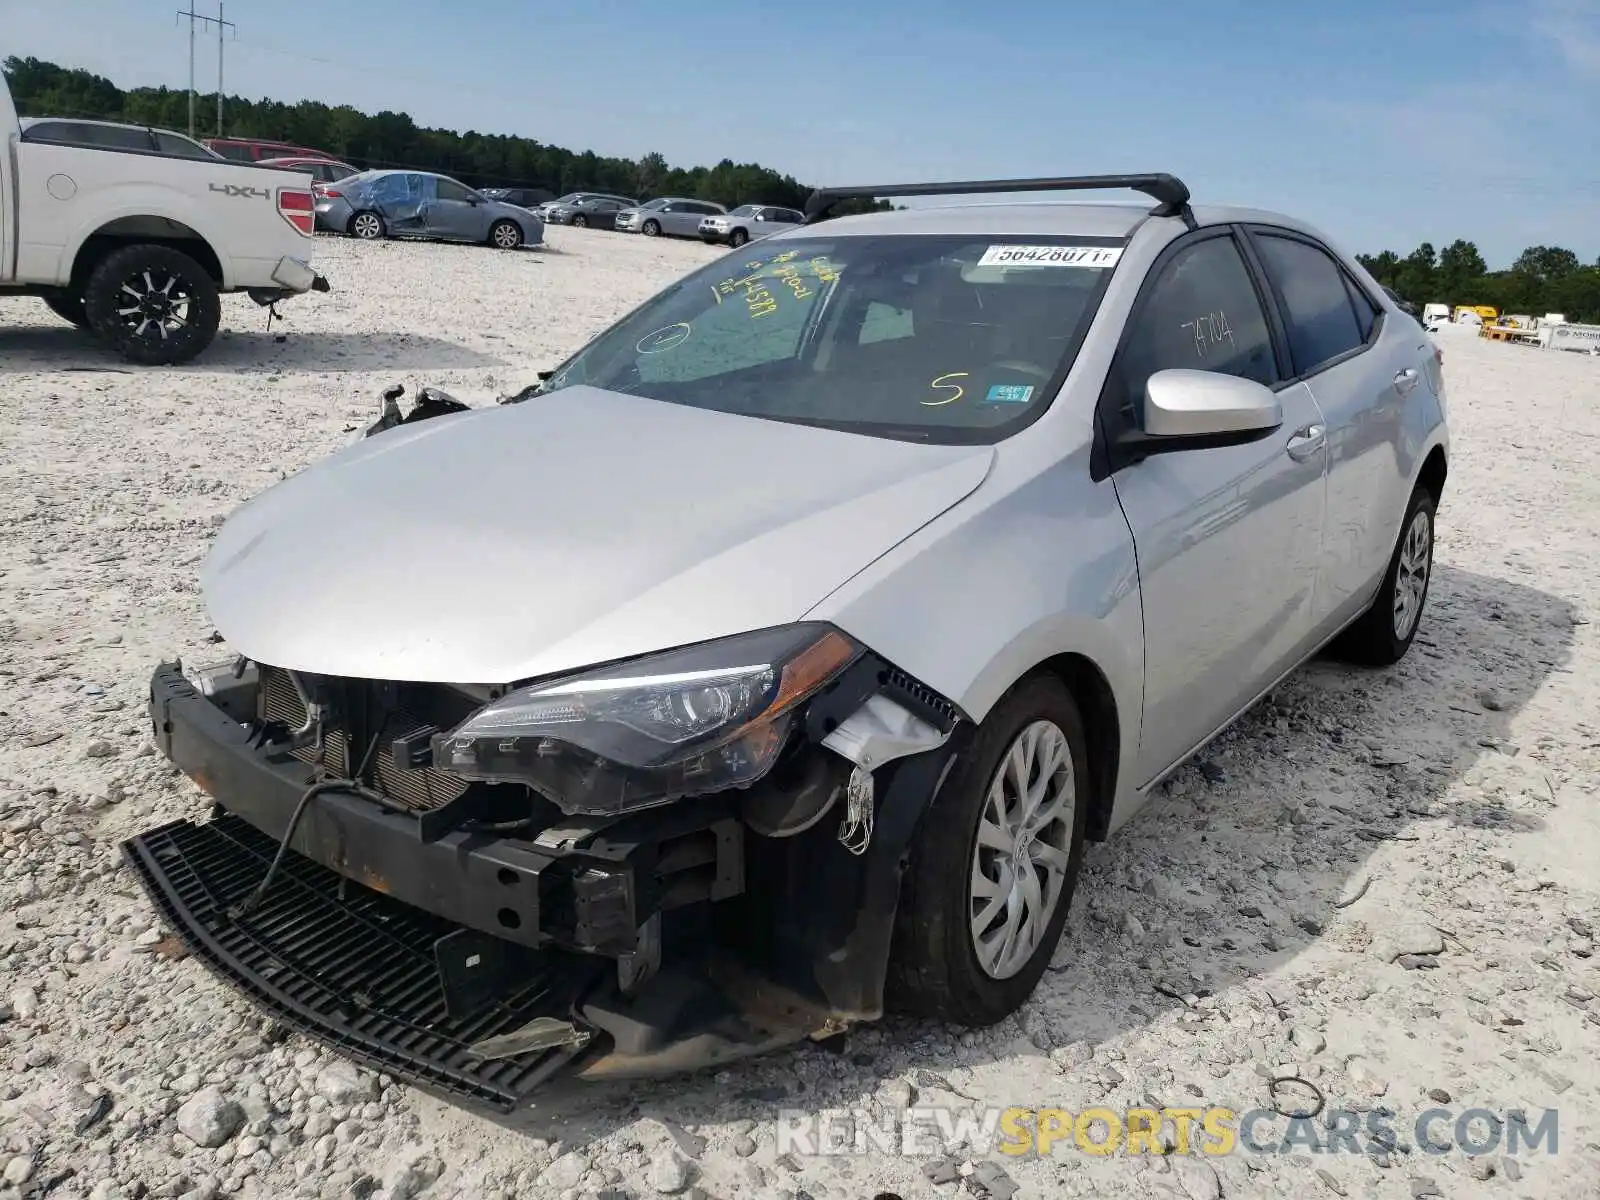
(1218, 1124)
(945, 383)
(1016, 1132)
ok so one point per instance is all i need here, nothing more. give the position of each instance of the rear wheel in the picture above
(368, 226)
(994, 865)
(738, 238)
(1384, 633)
(68, 306)
(505, 235)
(153, 304)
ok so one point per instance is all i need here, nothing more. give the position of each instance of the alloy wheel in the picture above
(1024, 843)
(506, 236)
(367, 226)
(1411, 574)
(155, 304)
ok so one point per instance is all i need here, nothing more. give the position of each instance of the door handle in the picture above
(1306, 442)
(1405, 380)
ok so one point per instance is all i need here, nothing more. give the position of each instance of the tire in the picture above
(368, 226)
(1383, 634)
(651, 229)
(505, 235)
(153, 305)
(738, 238)
(68, 306)
(935, 969)
(580, 221)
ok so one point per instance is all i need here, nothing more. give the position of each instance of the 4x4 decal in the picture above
(234, 189)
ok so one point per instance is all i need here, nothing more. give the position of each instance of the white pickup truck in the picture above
(133, 233)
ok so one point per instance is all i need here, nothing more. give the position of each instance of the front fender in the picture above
(1012, 577)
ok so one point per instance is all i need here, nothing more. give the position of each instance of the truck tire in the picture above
(977, 924)
(153, 305)
(68, 306)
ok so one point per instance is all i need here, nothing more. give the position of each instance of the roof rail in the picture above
(1169, 192)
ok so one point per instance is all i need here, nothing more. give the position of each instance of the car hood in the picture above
(574, 528)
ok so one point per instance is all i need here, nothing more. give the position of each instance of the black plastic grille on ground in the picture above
(343, 963)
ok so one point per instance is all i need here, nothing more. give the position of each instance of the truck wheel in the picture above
(994, 865)
(368, 226)
(68, 306)
(505, 235)
(738, 238)
(153, 305)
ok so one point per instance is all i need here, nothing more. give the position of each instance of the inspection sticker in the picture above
(1009, 393)
(1095, 257)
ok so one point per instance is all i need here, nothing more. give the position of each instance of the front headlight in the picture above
(687, 722)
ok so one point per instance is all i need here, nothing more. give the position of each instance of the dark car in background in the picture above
(573, 199)
(520, 196)
(420, 204)
(591, 212)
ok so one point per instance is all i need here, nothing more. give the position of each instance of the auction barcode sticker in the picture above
(1095, 257)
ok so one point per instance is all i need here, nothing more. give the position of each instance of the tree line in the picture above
(1543, 278)
(393, 139)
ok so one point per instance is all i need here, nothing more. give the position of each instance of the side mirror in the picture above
(1182, 403)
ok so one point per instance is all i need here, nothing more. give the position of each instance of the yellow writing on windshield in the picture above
(946, 383)
(797, 277)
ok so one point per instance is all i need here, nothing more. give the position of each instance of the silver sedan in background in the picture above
(747, 223)
(672, 216)
(418, 204)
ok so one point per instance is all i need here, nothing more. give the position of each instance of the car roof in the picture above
(1048, 217)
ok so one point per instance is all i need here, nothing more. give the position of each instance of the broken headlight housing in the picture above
(687, 722)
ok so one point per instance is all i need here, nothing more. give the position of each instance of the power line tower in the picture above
(222, 28)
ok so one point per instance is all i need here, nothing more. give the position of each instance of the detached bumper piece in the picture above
(356, 969)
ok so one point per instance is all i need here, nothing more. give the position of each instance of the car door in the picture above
(401, 198)
(455, 212)
(1361, 368)
(1226, 537)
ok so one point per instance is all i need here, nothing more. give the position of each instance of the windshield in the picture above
(745, 210)
(951, 339)
(654, 204)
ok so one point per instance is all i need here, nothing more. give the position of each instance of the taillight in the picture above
(296, 207)
(325, 190)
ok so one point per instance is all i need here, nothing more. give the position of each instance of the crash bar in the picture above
(1170, 192)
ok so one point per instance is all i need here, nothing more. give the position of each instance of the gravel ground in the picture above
(1382, 884)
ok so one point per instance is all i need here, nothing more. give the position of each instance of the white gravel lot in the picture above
(1241, 928)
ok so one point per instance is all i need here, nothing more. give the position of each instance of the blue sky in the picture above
(1384, 122)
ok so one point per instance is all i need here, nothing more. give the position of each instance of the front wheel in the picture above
(1384, 633)
(738, 238)
(580, 222)
(652, 229)
(68, 306)
(995, 862)
(153, 305)
(505, 235)
(368, 226)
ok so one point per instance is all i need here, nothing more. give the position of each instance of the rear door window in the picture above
(1317, 306)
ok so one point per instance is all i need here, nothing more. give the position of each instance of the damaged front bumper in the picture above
(488, 964)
